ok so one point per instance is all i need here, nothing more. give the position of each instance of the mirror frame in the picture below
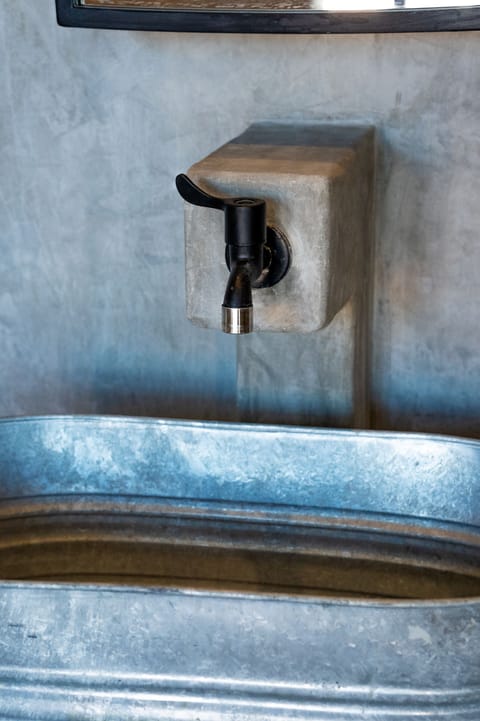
(71, 14)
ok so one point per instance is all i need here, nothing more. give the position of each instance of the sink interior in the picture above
(75, 540)
(249, 509)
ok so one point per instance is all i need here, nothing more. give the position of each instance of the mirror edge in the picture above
(71, 14)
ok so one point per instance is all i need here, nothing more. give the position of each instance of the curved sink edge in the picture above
(320, 431)
(322, 601)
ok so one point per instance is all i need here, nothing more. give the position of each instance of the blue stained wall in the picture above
(94, 126)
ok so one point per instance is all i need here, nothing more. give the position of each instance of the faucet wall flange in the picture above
(277, 257)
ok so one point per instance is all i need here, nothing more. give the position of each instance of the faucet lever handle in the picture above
(195, 195)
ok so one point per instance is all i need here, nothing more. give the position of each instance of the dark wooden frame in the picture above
(71, 14)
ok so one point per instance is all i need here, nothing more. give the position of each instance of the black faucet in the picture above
(256, 256)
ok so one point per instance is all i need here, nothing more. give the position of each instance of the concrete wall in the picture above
(94, 125)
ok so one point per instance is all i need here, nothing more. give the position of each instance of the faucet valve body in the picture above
(256, 256)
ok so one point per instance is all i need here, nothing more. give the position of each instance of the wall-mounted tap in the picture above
(257, 256)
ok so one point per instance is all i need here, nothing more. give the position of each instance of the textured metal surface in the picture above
(404, 645)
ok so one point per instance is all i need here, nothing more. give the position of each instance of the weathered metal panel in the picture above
(126, 650)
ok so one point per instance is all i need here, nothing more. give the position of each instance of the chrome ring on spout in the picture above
(237, 320)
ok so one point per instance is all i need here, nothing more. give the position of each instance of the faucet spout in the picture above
(237, 308)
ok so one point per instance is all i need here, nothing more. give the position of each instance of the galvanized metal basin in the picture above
(160, 569)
